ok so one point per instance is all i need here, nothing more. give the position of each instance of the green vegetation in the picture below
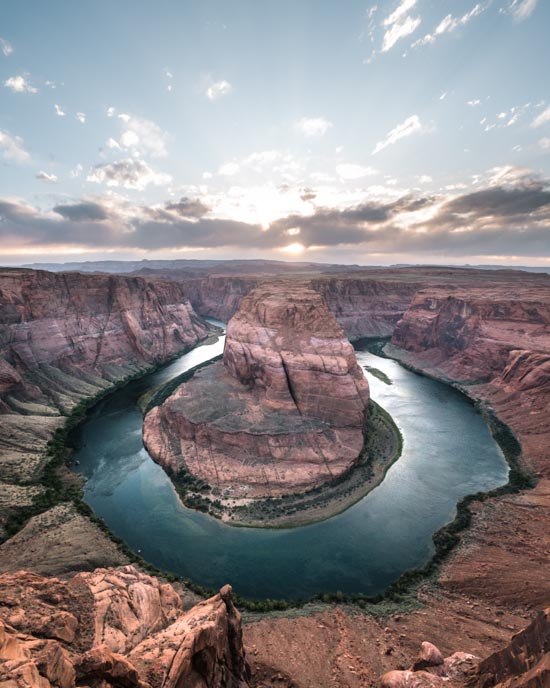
(380, 374)
(398, 596)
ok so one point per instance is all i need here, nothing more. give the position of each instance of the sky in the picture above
(375, 133)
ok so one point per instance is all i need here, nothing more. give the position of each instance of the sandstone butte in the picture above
(284, 411)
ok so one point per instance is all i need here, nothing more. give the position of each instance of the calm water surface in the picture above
(448, 452)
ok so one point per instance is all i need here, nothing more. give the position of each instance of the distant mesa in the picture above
(285, 409)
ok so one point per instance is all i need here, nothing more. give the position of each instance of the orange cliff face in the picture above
(64, 338)
(495, 342)
(102, 324)
(284, 411)
(116, 628)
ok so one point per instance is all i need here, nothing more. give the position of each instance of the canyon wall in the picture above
(365, 306)
(65, 338)
(367, 302)
(494, 342)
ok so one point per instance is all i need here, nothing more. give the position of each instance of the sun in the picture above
(294, 248)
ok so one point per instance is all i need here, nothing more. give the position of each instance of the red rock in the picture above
(285, 410)
(429, 656)
(203, 647)
(117, 608)
(128, 606)
(411, 679)
(100, 664)
(523, 663)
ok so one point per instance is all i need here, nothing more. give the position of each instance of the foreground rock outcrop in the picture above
(285, 410)
(115, 628)
(523, 663)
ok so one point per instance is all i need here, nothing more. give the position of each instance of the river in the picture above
(448, 452)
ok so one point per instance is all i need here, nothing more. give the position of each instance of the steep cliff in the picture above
(365, 305)
(65, 338)
(494, 342)
(523, 663)
(284, 411)
(115, 628)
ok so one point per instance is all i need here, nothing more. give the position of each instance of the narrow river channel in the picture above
(448, 453)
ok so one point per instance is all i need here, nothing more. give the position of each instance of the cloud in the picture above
(410, 126)
(81, 117)
(139, 136)
(353, 171)
(187, 207)
(80, 212)
(510, 216)
(218, 89)
(45, 177)
(229, 169)
(313, 126)
(401, 10)
(399, 31)
(5, 47)
(542, 118)
(473, 103)
(308, 195)
(77, 171)
(130, 173)
(544, 143)
(399, 25)
(449, 23)
(59, 111)
(20, 84)
(168, 76)
(521, 9)
(11, 147)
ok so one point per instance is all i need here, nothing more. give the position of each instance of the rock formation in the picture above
(523, 663)
(115, 628)
(495, 343)
(66, 337)
(284, 411)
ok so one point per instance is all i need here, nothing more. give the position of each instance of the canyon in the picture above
(283, 412)
(66, 337)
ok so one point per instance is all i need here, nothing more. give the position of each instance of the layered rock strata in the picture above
(65, 338)
(115, 628)
(494, 342)
(285, 409)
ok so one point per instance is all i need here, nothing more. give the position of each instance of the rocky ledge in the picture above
(285, 410)
(115, 628)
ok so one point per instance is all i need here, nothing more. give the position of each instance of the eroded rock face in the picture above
(523, 663)
(66, 337)
(495, 341)
(115, 628)
(286, 343)
(285, 410)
